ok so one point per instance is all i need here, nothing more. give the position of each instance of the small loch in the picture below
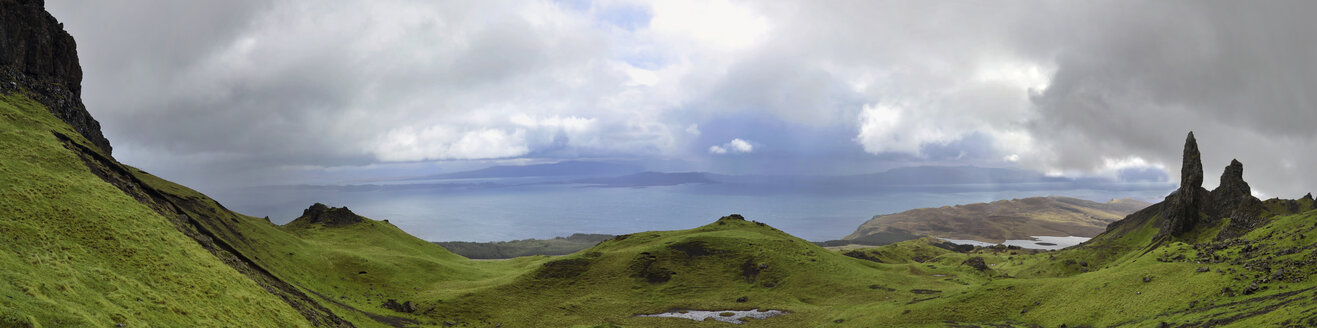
(729, 316)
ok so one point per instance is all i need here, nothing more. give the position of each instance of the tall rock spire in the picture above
(1191, 172)
(1184, 210)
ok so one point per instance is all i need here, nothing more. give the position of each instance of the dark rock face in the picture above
(329, 216)
(1191, 170)
(1233, 193)
(1183, 212)
(1234, 199)
(1192, 207)
(38, 55)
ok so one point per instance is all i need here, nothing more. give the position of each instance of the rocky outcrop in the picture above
(1183, 210)
(36, 54)
(328, 216)
(1192, 207)
(1233, 195)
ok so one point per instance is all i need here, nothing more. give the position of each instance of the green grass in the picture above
(78, 252)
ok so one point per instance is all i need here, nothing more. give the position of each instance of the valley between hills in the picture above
(92, 242)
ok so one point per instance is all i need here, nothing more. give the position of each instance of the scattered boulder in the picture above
(1252, 288)
(976, 263)
(405, 307)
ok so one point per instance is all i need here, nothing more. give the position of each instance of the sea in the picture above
(541, 211)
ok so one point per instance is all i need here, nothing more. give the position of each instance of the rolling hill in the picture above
(1001, 220)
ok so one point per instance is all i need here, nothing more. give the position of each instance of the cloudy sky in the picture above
(228, 93)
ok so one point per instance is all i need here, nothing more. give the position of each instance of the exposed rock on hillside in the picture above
(38, 55)
(328, 216)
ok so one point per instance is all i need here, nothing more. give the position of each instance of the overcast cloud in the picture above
(207, 91)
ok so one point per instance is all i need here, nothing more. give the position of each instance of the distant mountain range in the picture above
(615, 175)
(524, 247)
(560, 169)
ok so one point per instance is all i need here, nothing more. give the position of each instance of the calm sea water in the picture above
(546, 211)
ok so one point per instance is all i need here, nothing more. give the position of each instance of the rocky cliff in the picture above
(36, 54)
(1191, 207)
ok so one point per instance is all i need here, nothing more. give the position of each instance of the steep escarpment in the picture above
(36, 54)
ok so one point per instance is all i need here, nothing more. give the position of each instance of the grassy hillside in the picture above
(730, 264)
(78, 252)
(352, 270)
(91, 242)
(998, 221)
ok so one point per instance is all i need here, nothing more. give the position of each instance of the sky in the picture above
(217, 94)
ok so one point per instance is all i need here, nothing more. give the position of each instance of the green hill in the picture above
(78, 252)
(998, 221)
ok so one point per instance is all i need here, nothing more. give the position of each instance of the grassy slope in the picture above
(1005, 219)
(1114, 292)
(78, 252)
(327, 262)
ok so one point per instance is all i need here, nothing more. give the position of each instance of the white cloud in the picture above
(442, 143)
(307, 83)
(736, 146)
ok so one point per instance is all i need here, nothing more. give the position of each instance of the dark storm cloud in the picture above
(1129, 82)
(1110, 88)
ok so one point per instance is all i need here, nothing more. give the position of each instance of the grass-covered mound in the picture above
(731, 264)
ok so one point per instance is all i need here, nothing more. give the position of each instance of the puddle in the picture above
(1038, 242)
(729, 316)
